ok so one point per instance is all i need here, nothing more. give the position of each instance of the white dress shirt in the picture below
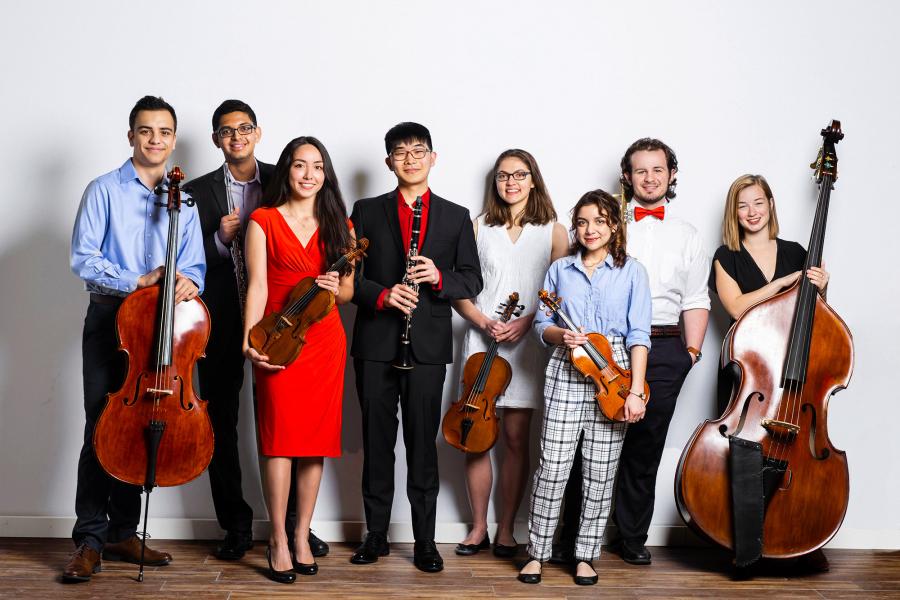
(246, 196)
(678, 267)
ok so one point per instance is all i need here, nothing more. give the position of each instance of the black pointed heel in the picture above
(305, 568)
(278, 576)
(470, 549)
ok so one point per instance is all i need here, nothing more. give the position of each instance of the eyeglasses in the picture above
(518, 175)
(399, 154)
(244, 129)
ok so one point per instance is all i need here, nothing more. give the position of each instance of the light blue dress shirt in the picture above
(612, 301)
(120, 234)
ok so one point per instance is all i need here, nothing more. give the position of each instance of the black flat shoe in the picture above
(374, 546)
(585, 579)
(278, 576)
(426, 557)
(305, 568)
(529, 577)
(234, 546)
(501, 551)
(470, 549)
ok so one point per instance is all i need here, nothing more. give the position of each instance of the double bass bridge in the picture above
(781, 430)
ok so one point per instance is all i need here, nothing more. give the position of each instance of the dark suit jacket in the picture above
(212, 204)
(449, 242)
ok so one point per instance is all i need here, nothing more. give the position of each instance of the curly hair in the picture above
(649, 145)
(609, 208)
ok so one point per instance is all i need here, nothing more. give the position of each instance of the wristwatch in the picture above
(697, 354)
(642, 395)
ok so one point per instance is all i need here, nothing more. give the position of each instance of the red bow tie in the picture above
(640, 212)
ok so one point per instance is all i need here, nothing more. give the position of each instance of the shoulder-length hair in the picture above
(609, 208)
(330, 212)
(731, 228)
(539, 208)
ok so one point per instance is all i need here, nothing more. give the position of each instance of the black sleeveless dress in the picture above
(790, 257)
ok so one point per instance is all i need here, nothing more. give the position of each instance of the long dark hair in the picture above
(334, 233)
(609, 208)
(539, 209)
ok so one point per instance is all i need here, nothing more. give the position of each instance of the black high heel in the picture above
(470, 549)
(585, 579)
(305, 568)
(279, 576)
(530, 577)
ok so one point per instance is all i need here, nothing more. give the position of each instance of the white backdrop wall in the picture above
(734, 88)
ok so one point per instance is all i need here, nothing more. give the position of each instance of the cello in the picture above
(471, 423)
(154, 431)
(793, 352)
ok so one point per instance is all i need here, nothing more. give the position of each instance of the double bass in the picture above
(764, 479)
(471, 423)
(155, 431)
(281, 335)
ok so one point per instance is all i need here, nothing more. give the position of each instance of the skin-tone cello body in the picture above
(794, 352)
(163, 340)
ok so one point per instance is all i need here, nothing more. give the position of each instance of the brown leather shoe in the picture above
(130, 551)
(85, 561)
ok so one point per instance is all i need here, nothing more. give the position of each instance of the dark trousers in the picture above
(106, 509)
(418, 392)
(221, 376)
(635, 495)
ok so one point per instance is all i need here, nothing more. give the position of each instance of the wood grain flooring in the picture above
(29, 568)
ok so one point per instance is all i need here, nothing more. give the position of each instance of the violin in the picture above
(281, 335)
(793, 352)
(471, 423)
(595, 361)
(155, 430)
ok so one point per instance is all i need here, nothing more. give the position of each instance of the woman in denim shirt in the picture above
(607, 292)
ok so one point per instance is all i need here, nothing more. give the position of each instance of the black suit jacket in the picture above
(449, 242)
(212, 204)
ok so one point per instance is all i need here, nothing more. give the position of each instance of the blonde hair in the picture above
(731, 228)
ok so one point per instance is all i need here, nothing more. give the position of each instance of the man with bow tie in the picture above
(677, 265)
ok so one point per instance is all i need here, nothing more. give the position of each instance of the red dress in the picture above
(298, 410)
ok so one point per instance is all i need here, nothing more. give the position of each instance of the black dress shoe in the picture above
(529, 577)
(234, 546)
(426, 557)
(319, 547)
(634, 553)
(501, 551)
(278, 576)
(305, 568)
(585, 579)
(374, 546)
(470, 549)
(562, 554)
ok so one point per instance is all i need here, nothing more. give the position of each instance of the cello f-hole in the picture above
(740, 426)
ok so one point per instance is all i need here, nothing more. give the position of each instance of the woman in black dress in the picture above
(754, 264)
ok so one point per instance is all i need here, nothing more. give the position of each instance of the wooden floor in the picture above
(29, 568)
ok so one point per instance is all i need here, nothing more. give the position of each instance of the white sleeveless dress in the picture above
(508, 267)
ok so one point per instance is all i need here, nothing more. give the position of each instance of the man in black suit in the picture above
(225, 198)
(446, 268)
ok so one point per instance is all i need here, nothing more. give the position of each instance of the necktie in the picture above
(640, 212)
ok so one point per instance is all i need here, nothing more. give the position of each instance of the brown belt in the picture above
(665, 331)
(106, 299)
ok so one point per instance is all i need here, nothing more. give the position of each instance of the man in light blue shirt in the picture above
(118, 246)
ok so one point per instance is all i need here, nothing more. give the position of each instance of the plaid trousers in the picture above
(569, 409)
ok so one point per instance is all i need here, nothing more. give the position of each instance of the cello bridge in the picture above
(780, 429)
(160, 391)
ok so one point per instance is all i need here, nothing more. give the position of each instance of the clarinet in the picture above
(237, 250)
(404, 356)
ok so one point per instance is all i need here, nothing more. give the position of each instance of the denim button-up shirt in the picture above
(612, 301)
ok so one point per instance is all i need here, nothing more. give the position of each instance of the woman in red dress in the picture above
(300, 229)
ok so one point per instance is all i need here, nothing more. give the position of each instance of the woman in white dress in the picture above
(517, 237)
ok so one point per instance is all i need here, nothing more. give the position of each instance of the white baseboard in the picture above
(340, 531)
